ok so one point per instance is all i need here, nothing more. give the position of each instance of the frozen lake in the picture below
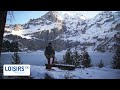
(38, 58)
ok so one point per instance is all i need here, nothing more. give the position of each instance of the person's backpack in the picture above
(49, 50)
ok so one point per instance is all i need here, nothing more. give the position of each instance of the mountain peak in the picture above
(61, 15)
(105, 13)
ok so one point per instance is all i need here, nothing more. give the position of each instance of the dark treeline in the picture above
(9, 46)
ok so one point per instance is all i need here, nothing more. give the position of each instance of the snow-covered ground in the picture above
(39, 72)
(37, 61)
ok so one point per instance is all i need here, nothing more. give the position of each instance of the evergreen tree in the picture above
(68, 58)
(116, 59)
(10, 46)
(86, 60)
(101, 64)
(76, 58)
(14, 47)
(16, 58)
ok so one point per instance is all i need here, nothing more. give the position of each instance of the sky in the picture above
(22, 17)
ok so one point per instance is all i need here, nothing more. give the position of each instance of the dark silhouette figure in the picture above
(50, 53)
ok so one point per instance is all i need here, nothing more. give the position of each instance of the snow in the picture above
(61, 15)
(8, 40)
(33, 29)
(37, 61)
(48, 27)
(38, 58)
(73, 21)
(65, 65)
(105, 57)
(102, 31)
(77, 38)
(19, 33)
(39, 72)
(32, 58)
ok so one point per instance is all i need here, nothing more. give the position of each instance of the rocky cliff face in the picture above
(69, 29)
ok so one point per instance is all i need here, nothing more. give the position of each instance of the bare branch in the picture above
(10, 16)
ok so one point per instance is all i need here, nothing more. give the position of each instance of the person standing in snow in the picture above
(49, 53)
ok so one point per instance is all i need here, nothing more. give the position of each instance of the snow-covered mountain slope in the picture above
(62, 15)
(46, 22)
(69, 28)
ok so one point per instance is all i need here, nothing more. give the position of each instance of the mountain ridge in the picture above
(68, 29)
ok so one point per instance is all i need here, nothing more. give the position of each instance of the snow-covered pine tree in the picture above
(116, 59)
(101, 64)
(86, 60)
(68, 58)
(16, 58)
(76, 58)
